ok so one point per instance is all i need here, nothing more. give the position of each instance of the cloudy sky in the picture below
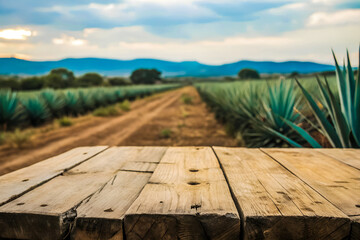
(209, 31)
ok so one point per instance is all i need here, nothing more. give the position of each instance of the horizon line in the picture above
(164, 60)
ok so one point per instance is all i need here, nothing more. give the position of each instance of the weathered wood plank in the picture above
(102, 216)
(275, 204)
(187, 197)
(350, 157)
(18, 182)
(48, 211)
(334, 180)
(146, 161)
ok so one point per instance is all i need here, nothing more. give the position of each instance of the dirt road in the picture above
(145, 124)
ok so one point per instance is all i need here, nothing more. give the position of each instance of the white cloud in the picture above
(289, 7)
(15, 34)
(105, 37)
(309, 44)
(69, 40)
(349, 16)
(300, 30)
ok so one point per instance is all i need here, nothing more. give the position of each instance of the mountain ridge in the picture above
(115, 67)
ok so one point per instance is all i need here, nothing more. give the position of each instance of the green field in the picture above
(249, 111)
(24, 108)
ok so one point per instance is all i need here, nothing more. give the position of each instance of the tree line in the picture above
(61, 78)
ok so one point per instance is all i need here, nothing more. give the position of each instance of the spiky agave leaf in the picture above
(344, 129)
(269, 123)
(87, 100)
(8, 107)
(54, 101)
(111, 97)
(73, 104)
(280, 105)
(99, 98)
(355, 126)
(36, 110)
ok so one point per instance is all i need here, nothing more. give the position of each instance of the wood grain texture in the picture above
(274, 203)
(350, 157)
(101, 217)
(146, 161)
(48, 211)
(334, 180)
(187, 197)
(18, 182)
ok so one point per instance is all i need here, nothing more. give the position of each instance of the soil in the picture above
(159, 120)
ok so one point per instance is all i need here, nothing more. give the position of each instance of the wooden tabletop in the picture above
(184, 193)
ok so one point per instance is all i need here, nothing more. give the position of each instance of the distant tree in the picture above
(60, 78)
(145, 76)
(32, 83)
(10, 82)
(328, 73)
(118, 81)
(90, 79)
(248, 73)
(294, 74)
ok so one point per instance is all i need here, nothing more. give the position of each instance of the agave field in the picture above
(18, 109)
(309, 112)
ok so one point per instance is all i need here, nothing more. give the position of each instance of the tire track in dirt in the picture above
(143, 118)
(105, 132)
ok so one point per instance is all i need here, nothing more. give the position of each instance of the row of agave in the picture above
(289, 113)
(24, 108)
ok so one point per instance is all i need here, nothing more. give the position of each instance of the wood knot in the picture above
(43, 205)
(25, 180)
(196, 206)
(193, 170)
(108, 210)
(193, 183)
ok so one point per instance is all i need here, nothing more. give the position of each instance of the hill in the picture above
(113, 67)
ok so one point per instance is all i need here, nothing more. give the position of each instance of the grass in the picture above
(184, 113)
(106, 111)
(181, 125)
(125, 106)
(19, 139)
(65, 122)
(2, 138)
(166, 133)
(186, 99)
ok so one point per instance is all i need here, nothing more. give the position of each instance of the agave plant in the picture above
(73, 104)
(36, 110)
(86, 100)
(342, 127)
(54, 101)
(8, 107)
(99, 98)
(280, 105)
(111, 97)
